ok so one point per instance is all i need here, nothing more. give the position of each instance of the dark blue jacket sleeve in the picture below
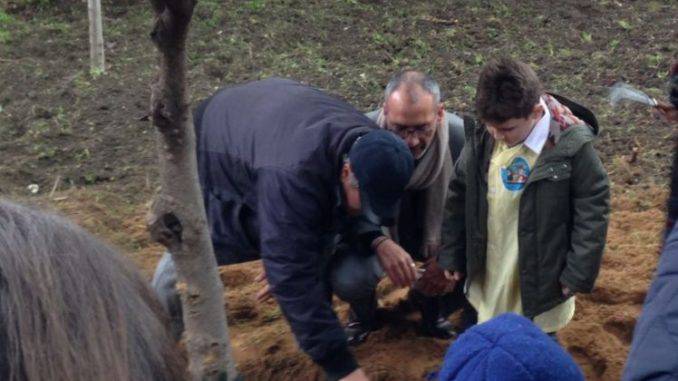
(654, 350)
(293, 214)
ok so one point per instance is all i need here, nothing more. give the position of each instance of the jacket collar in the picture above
(537, 138)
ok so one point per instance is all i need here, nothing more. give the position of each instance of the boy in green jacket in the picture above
(527, 213)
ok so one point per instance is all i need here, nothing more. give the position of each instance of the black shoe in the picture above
(440, 329)
(469, 318)
(362, 319)
(356, 332)
(433, 324)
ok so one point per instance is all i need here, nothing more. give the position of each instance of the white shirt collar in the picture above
(537, 138)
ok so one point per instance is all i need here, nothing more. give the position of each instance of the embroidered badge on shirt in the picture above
(515, 175)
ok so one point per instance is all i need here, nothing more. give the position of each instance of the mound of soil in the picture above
(602, 329)
(598, 338)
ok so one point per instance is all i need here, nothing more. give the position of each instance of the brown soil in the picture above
(598, 337)
(602, 329)
(57, 121)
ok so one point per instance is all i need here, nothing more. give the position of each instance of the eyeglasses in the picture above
(424, 130)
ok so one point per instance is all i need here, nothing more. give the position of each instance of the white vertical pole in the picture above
(96, 37)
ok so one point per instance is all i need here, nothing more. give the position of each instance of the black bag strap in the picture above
(457, 140)
(469, 124)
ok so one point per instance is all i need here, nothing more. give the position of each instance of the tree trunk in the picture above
(177, 217)
(96, 37)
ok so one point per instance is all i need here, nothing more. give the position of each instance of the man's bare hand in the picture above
(356, 375)
(433, 280)
(397, 263)
(264, 294)
(668, 111)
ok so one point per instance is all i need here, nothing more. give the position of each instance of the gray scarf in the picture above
(432, 173)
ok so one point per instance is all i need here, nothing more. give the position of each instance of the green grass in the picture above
(348, 47)
(6, 23)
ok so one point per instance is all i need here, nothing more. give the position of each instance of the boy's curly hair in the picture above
(507, 89)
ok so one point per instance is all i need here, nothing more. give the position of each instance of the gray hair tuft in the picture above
(413, 79)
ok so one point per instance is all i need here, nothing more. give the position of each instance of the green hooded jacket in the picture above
(563, 214)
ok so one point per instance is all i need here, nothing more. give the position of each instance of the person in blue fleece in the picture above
(654, 350)
(655, 337)
(508, 348)
(669, 110)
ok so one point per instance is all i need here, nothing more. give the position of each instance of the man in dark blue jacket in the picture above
(283, 168)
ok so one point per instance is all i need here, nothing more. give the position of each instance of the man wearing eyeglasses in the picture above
(413, 110)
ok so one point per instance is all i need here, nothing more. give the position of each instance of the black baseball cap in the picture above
(383, 164)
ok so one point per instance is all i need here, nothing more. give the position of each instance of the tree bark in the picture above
(96, 37)
(177, 217)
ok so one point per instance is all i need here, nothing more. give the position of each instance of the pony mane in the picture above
(73, 308)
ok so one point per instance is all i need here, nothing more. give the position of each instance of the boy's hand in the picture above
(456, 275)
(453, 278)
(567, 292)
(433, 280)
(397, 263)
